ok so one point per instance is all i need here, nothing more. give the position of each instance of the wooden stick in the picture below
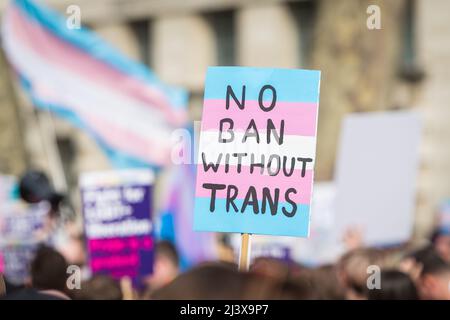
(126, 285)
(244, 257)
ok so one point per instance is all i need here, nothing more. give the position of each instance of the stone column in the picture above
(12, 151)
(433, 30)
(267, 36)
(183, 47)
(358, 66)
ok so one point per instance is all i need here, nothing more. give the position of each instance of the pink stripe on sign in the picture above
(299, 117)
(245, 179)
(72, 59)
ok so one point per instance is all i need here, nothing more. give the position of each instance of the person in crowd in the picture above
(413, 261)
(48, 272)
(272, 278)
(395, 285)
(47, 278)
(166, 266)
(261, 286)
(326, 283)
(34, 187)
(275, 268)
(441, 242)
(99, 287)
(209, 281)
(352, 271)
(434, 280)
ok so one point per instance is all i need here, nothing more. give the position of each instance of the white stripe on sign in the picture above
(292, 146)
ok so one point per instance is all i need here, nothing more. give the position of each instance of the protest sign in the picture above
(257, 151)
(117, 208)
(320, 248)
(22, 229)
(280, 248)
(8, 188)
(376, 172)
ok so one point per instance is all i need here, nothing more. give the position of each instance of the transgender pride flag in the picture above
(75, 74)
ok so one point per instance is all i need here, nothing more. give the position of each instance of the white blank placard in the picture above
(376, 172)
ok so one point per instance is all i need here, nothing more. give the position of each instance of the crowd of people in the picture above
(361, 273)
(404, 272)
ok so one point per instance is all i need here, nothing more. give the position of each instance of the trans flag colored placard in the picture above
(257, 151)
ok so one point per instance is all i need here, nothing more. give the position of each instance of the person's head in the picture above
(48, 270)
(394, 285)
(265, 287)
(412, 263)
(353, 270)
(275, 268)
(272, 278)
(166, 265)
(207, 281)
(99, 287)
(434, 280)
(34, 187)
(326, 283)
(441, 243)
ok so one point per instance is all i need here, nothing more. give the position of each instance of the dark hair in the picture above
(266, 287)
(167, 249)
(34, 186)
(326, 283)
(430, 260)
(211, 281)
(435, 265)
(99, 287)
(395, 285)
(48, 270)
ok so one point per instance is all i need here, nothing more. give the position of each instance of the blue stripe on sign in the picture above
(292, 85)
(248, 222)
(92, 44)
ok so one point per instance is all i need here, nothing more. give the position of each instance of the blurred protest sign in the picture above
(280, 248)
(177, 215)
(8, 186)
(22, 229)
(257, 150)
(374, 188)
(376, 172)
(117, 208)
(319, 248)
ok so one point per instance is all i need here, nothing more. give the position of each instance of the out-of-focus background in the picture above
(404, 65)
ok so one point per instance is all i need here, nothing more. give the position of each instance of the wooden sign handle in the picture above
(244, 257)
(126, 285)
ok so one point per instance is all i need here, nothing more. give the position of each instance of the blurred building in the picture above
(404, 65)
